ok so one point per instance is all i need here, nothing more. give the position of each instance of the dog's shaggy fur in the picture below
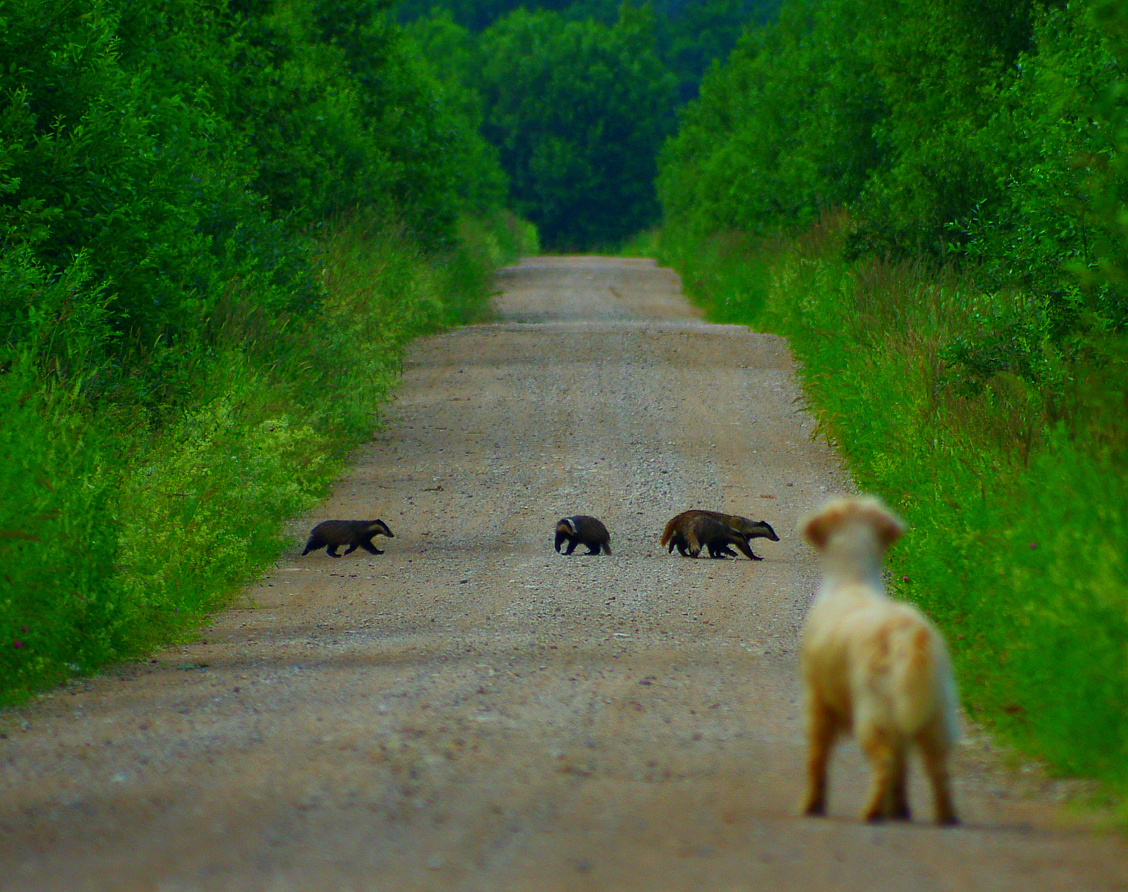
(873, 667)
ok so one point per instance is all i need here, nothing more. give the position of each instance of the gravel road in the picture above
(472, 710)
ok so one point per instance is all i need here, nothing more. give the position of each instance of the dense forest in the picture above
(929, 201)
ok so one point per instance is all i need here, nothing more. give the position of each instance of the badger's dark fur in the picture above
(675, 534)
(704, 531)
(582, 529)
(329, 534)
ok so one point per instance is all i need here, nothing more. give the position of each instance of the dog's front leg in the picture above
(899, 794)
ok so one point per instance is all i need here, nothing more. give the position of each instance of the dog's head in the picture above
(852, 518)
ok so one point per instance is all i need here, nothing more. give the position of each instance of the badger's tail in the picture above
(670, 529)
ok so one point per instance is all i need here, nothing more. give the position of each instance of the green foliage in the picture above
(984, 135)
(693, 33)
(453, 53)
(577, 111)
(190, 338)
(717, 271)
(86, 167)
(937, 64)
(782, 131)
(117, 534)
(576, 97)
(184, 146)
(59, 609)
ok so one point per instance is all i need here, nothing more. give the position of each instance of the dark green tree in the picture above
(577, 111)
(453, 54)
(784, 130)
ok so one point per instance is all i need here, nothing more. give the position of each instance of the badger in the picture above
(582, 529)
(329, 534)
(675, 534)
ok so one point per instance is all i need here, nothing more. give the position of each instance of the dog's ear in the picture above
(817, 527)
(888, 525)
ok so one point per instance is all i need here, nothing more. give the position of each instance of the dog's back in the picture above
(900, 675)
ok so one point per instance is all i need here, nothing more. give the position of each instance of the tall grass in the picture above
(119, 531)
(1016, 492)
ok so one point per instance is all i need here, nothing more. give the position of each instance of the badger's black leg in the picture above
(332, 551)
(350, 549)
(746, 550)
(369, 547)
(572, 543)
(593, 547)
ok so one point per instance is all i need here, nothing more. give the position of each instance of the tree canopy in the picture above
(984, 134)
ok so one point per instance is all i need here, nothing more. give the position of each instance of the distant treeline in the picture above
(220, 221)
(577, 98)
(689, 34)
(930, 200)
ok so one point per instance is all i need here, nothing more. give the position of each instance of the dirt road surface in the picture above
(472, 710)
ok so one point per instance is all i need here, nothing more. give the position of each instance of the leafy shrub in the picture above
(60, 610)
(117, 533)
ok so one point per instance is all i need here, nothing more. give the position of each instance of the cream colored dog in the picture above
(873, 667)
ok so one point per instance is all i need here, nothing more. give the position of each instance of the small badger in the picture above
(715, 538)
(582, 529)
(329, 534)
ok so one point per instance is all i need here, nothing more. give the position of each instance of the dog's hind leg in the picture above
(934, 748)
(823, 731)
(883, 755)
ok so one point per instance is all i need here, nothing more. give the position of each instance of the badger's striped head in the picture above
(565, 529)
(761, 529)
(378, 527)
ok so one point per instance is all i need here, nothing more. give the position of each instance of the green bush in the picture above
(117, 533)
(60, 611)
(784, 129)
(983, 136)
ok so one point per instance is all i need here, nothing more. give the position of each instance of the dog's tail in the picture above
(923, 689)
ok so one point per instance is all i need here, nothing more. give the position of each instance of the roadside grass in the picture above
(118, 534)
(1016, 493)
(642, 244)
